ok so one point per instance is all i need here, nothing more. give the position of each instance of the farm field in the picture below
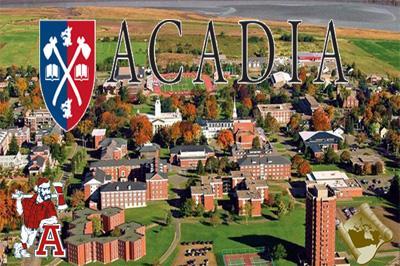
(369, 50)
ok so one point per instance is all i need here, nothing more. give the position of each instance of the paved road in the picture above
(174, 243)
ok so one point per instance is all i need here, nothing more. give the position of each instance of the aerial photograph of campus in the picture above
(176, 132)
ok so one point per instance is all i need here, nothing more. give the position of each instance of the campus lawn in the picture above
(289, 231)
(325, 167)
(155, 211)
(371, 200)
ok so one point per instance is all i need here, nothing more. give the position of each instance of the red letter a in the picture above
(50, 237)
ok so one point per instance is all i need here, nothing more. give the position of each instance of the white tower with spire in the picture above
(234, 113)
(157, 108)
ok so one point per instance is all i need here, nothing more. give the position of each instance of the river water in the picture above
(352, 14)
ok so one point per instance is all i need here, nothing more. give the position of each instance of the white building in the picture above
(211, 128)
(14, 161)
(160, 120)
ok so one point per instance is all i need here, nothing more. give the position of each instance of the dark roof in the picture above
(150, 175)
(39, 161)
(152, 147)
(263, 160)
(109, 163)
(97, 174)
(123, 186)
(191, 148)
(41, 148)
(107, 141)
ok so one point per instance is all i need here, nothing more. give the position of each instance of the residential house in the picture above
(36, 119)
(149, 151)
(39, 159)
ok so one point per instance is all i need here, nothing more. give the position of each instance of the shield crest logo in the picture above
(67, 55)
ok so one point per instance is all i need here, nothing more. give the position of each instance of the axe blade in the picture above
(86, 50)
(48, 50)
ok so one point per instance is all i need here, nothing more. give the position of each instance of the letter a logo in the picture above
(50, 238)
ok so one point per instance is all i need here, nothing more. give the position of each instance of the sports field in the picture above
(184, 85)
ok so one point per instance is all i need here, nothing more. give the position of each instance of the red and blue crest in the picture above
(67, 55)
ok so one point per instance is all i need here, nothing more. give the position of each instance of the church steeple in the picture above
(234, 113)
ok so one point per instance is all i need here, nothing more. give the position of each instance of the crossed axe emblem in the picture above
(51, 48)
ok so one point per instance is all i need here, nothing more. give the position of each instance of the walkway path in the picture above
(174, 243)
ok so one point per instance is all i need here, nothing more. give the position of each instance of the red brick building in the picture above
(82, 247)
(272, 167)
(113, 149)
(281, 112)
(157, 186)
(124, 169)
(349, 101)
(211, 188)
(98, 134)
(187, 156)
(320, 225)
(123, 195)
(244, 132)
(251, 193)
(149, 151)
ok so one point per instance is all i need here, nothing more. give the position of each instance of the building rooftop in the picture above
(268, 159)
(334, 179)
(115, 163)
(123, 186)
(191, 148)
(98, 132)
(265, 108)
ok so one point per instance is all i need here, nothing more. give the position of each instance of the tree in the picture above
(321, 120)
(200, 168)
(211, 107)
(175, 132)
(116, 232)
(304, 168)
(187, 208)
(394, 192)
(345, 157)
(271, 125)
(379, 167)
(256, 143)
(69, 138)
(282, 209)
(248, 211)
(168, 218)
(215, 219)
(189, 111)
(212, 164)
(13, 147)
(296, 161)
(78, 199)
(331, 156)
(294, 123)
(361, 138)
(85, 127)
(279, 252)
(199, 210)
(225, 139)
(142, 129)
(97, 226)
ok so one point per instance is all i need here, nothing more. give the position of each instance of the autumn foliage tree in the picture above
(321, 120)
(78, 199)
(142, 129)
(225, 139)
(189, 111)
(304, 168)
(211, 107)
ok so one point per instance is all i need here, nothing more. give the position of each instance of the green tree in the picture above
(116, 232)
(200, 168)
(256, 143)
(168, 218)
(212, 165)
(199, 210)
(215, 219)
(331, 156)
(69, 138)
(279, 252)
(97, 226)
(13, 147)
(281, 209)
(187, 208)
(248, 209)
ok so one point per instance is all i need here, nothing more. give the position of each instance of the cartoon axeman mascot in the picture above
(36, 210)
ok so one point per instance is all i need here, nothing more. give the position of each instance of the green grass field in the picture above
(387, 51)
(184, 85)
(154, 211)
(289, 231)
(107, 49)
